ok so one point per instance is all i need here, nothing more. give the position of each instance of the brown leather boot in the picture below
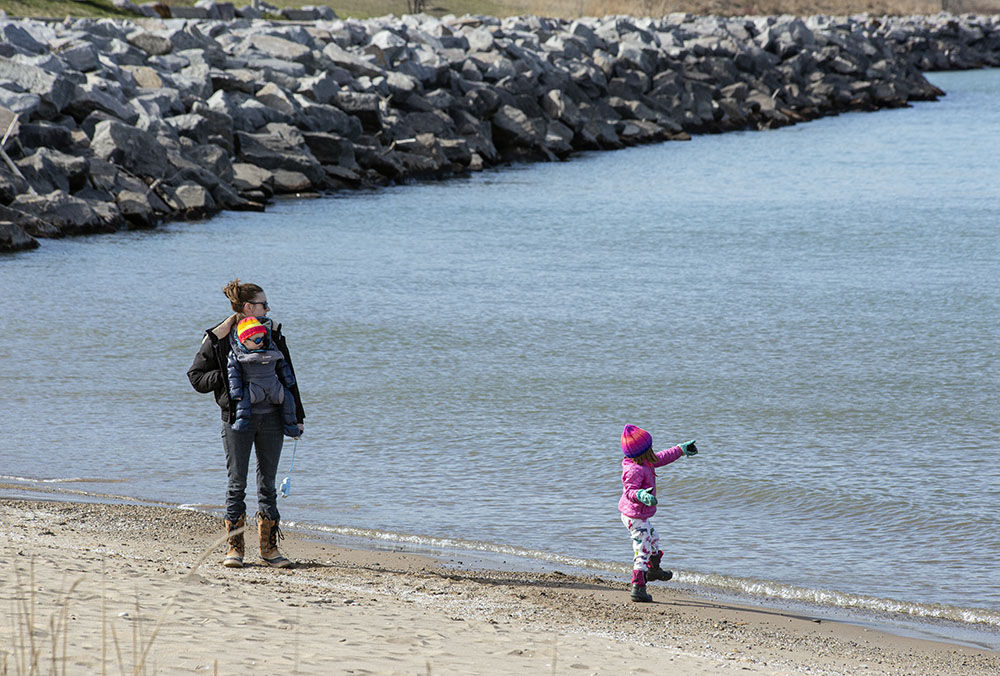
(269, 536)
(234, 557)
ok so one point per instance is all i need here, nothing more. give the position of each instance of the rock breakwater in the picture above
(115, 124)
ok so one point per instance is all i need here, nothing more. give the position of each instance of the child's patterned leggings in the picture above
(645, 541)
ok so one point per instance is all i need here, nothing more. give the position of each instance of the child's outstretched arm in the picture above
(674, 453)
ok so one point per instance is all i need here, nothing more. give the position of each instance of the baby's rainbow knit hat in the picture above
(248, 328)
(635, 441)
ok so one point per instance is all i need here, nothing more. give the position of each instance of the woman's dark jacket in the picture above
(208, 372)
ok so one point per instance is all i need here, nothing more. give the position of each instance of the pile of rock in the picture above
(942, 42)
(226, 11)
(121, 124)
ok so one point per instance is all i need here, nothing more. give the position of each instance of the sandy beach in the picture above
(139, 589)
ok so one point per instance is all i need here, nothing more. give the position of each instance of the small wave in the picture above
(62, 480)
(29, 486)
(200, 507)
(837, 599)
(760, 590)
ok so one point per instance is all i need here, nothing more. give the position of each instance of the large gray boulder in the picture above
(322, 87)
(78, 55)
(205, 125)
(559, 139)
(136, 209)
(323, 118)
(184, 169)
(353, 63)
(190, 200)
(273, 96)
(513, 131)
(48, 169)
(402, 86)
(11, 186)
(247, 113)
(71, 215)
(32, 225)
(389, 46)
(249, 179)
(279, 48)
(457, 151)
(235, 80)
(21, 103)
(212, 159)
(133, 149)
(163, 102)
(559, 106)
(187, 35)
(19, 38)
(54, 90)
(14, 238)
(279, 146)
(118, 53)
(436, 122)
(151, 43)
(92, 96)
(291, 182)
(331, 149)
(42, 134)
(363, 106)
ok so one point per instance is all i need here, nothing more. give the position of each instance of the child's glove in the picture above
(688, 448)
(646, 497)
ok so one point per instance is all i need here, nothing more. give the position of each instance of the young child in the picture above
(638, 504)
(259, 374)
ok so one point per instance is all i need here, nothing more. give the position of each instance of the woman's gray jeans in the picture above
(264, 435)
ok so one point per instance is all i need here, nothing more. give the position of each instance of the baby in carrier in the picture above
(259, 376)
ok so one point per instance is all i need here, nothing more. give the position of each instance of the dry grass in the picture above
(567, 9)
(570, 9)
(656, 8)
(38, 645)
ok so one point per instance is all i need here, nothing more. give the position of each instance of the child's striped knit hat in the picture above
(635, 441)
(248, 328)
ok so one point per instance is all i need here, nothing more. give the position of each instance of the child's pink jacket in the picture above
(636, 477)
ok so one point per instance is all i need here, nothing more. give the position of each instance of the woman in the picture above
(264, 433)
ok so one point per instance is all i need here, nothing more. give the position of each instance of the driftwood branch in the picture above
(6, 158)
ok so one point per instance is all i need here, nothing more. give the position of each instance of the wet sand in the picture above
(105, 584)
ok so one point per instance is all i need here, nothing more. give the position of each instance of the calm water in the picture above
(817, 305)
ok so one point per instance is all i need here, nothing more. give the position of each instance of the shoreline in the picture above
(359, 606)
(942, 630)
(923, 620)
(903, 618)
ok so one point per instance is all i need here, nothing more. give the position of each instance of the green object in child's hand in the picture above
(646, 497)
(688, 448)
